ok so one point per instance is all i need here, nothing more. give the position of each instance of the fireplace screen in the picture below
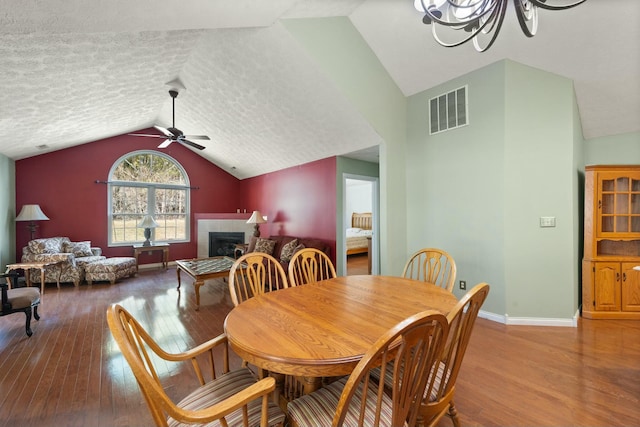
(224, 243)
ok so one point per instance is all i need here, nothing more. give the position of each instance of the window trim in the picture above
(112, 182)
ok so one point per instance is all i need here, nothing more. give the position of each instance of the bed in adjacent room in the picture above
(357, 234)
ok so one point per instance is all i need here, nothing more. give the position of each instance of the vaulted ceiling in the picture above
(75, 71)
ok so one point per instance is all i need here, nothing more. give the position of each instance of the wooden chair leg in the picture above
(35, 312)
(453, 414)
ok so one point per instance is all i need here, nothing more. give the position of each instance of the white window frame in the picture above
(150, 197)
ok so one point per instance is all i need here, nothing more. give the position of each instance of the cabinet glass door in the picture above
(619, 204)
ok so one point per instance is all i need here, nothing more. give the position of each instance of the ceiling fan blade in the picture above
(147, 134)
(166, 132)
(193, 144)
(165, 144)
(198, 137)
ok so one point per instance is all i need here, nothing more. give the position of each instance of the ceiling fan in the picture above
(174, 134)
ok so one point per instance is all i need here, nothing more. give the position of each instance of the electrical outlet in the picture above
(463, 284)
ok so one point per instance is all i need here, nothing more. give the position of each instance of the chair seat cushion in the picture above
(223, 387)
(23, 297)
(319, 407)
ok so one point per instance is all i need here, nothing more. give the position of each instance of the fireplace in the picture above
(224, 243)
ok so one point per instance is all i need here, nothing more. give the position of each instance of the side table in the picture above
(26, 266)
(164, 247)
(240, 249)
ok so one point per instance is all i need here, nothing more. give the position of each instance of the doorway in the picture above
(361, 241)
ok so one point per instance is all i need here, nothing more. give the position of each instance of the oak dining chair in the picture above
(255, 273)
(438, 398)
(310, 265)
(416, 344)
(432, 265)
(233, 397)
(252, 274)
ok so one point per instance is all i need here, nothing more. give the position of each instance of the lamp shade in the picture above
(256, 218)
(148, 222)
(31, 213)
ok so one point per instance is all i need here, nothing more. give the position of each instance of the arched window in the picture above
(148, 183)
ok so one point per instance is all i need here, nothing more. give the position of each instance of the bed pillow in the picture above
(288, 250)
(78, 249)
(265, 245)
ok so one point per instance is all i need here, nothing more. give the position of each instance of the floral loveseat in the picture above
(74, 256)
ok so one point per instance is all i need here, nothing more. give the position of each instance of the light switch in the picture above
(547, 221)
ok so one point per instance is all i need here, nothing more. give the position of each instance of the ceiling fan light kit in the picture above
(173, 134)
(481, 20)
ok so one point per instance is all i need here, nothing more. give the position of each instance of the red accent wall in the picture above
(298, 201)
(63, 184)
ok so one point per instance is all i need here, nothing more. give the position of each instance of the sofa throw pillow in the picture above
(298, 249)
(265, 245)
(287, 250)
(79, 249)
(49, 245)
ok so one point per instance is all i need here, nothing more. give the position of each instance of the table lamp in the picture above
(147, 223)
(256, 218)
(31, 213)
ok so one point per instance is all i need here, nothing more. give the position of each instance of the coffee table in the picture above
(201, 269)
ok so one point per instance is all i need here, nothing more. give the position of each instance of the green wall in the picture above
(621, 149)
(478, 191)
(541, 266)
(7, 212)
(455, 182)
(343, 55)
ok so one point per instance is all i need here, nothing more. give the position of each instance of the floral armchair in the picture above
(73, 257)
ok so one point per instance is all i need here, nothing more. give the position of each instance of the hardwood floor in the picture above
(357, 264)
(70, 373)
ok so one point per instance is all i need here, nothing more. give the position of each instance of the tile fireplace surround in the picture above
(220, 222)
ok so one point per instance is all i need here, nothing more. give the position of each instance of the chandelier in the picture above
(481, 20)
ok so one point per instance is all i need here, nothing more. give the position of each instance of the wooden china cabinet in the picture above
(611, 263)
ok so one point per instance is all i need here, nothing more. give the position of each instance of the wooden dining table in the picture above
(323, 329)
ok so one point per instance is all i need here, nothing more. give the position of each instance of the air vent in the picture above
(448, 111)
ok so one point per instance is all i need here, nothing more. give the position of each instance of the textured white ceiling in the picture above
(75, 71)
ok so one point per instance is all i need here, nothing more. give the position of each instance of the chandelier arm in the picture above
(461, 23)
(473, 33)
(496, 18)
(445, 44)
(543, 5)
(499, 19)
(522, 19)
